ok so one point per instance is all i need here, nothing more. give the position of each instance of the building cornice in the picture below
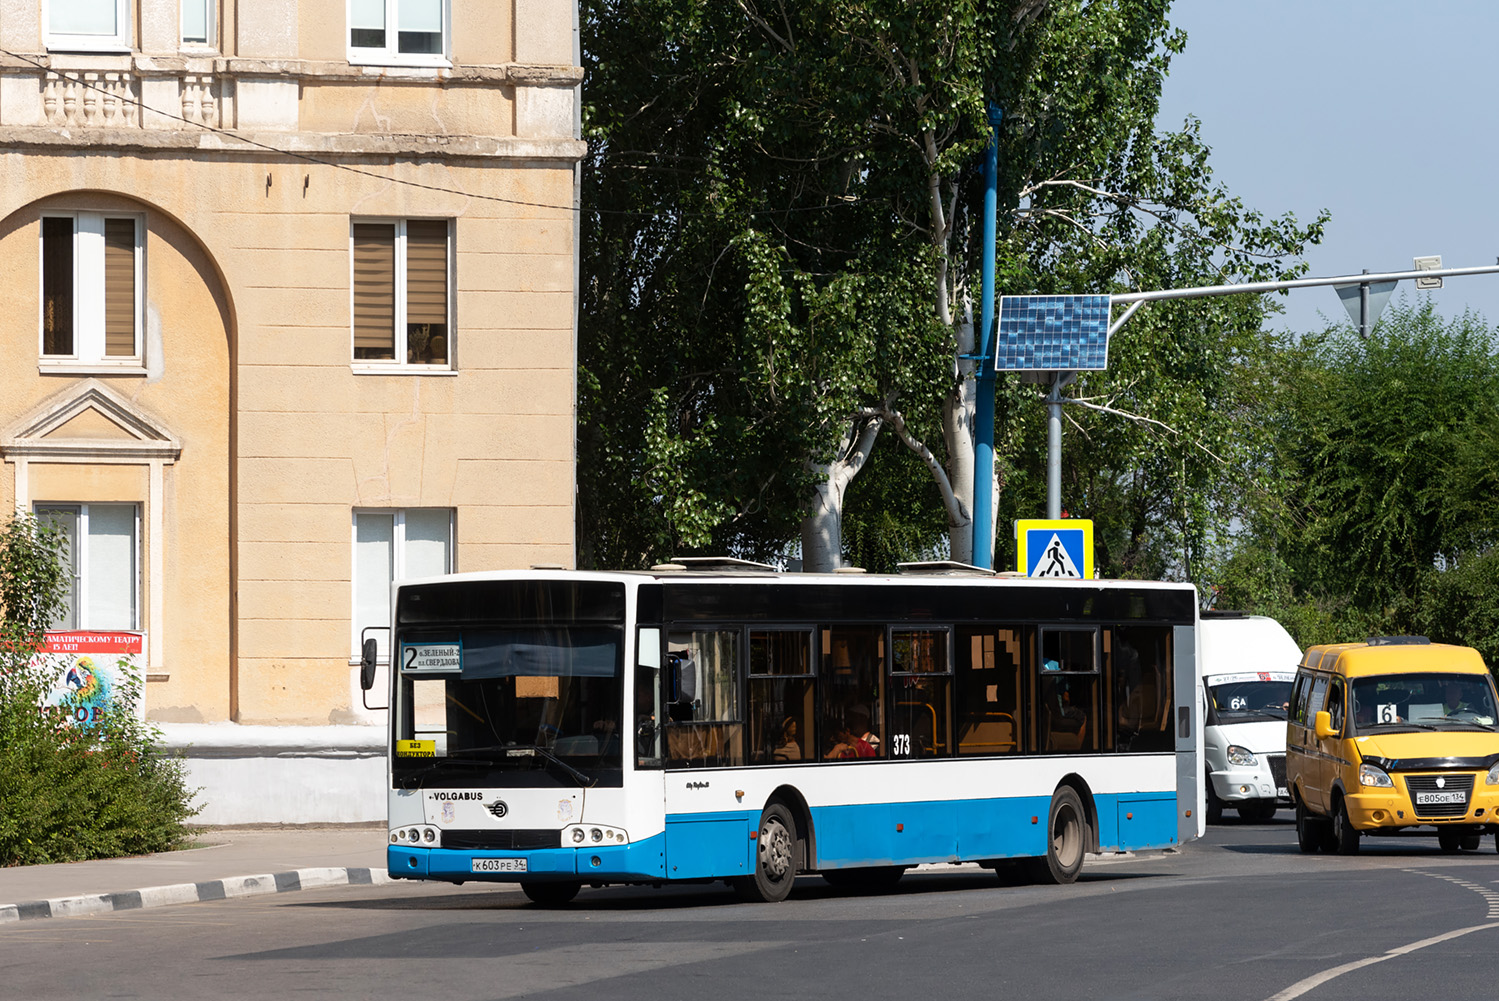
(295, 144)
(309, 70)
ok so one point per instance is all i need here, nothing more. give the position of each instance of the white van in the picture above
(1248, 663)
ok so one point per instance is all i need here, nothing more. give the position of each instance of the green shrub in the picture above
(69, 792)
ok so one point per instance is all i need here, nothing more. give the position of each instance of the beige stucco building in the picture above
(290, 311)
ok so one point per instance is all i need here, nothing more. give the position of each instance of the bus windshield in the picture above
(1423, 701)
(539, 704)
(1265, 696)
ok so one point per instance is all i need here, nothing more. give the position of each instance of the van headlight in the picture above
(1241, 756)
(1492, 778)
(1376, 777)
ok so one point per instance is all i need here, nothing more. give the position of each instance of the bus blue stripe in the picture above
(719, 845)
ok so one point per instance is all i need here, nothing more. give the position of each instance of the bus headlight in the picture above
(1375, 777)
(601, 835)
(1241, 756)
(414, 835)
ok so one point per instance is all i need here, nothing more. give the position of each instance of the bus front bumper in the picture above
(1377, 808)
(643, 861)
(1235, 785)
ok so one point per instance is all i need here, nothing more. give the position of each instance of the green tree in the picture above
(70, 792)
(1374, 511)
(780, 243)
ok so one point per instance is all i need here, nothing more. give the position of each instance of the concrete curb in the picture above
(192, 893)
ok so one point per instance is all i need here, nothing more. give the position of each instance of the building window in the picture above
(103, 560)
(391, 546)
(88, 25)
(401, 302)
(398, 31)
(91, 288)
(198, 22)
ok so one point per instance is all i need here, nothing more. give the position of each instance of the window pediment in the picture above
(89, 422)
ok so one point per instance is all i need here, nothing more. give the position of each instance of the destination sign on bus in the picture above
(420, 658)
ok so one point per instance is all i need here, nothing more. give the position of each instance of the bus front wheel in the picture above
(1067, 840)
(775, 858)
(550, 894)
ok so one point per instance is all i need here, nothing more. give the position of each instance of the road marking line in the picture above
(1317, 980)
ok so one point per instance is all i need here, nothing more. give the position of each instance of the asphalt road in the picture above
(1238, 915)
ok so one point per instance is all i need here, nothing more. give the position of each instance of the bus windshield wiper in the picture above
(413, 780)
(1265, 713)
(527, 750)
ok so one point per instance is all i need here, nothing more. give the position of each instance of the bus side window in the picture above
(988, 691)
(703, 728)
(851, 686)
(1140, 659)
(780, 708)
(920, 678)
(648, 708)
(1298, 698)
(1067, 710)
(1335, 703)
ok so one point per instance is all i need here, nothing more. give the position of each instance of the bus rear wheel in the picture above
(1308, 830)
(1067, 840)
(550, 894)
(775, 858)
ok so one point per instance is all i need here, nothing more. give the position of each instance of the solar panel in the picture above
(1052, 333)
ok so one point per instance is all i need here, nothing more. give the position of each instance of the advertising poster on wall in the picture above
(90, 666)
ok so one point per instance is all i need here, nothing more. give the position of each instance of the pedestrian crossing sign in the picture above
(1061, 548)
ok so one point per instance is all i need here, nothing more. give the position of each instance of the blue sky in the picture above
(1382, 112)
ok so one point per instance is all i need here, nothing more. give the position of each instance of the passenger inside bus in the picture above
(846, 745)
(789, 749)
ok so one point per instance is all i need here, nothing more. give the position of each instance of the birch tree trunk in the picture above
(822, 530)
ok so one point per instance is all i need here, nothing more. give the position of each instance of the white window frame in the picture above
(88, 296)
(80, 559)
(399, 362)
(397, 568)
(72, 42)
(389, 54)
(211, 26)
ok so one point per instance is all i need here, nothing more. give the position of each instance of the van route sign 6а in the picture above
(1061, 548)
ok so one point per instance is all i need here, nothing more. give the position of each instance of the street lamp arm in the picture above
(1258, 288)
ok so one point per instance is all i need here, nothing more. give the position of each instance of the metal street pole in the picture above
(983, 417)
(1054, 450)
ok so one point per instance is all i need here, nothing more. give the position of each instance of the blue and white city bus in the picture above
(560, 728)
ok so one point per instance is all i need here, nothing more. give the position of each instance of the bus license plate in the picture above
(499, 865)
(1425, 798)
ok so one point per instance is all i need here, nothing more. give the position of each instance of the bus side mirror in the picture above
(1323, 725)
(367, 664)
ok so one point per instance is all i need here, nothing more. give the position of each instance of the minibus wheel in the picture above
(1308, 830)
(1215, 805)
(775, 858)
(546, 894)
(1344, 834)
(1066, 842)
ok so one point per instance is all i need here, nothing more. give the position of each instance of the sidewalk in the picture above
(227, 862)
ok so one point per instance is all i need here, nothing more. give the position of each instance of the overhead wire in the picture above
(406, 182)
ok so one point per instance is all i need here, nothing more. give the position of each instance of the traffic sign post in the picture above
(1054, 547)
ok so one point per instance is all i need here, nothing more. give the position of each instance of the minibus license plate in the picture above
(1427, 798)
(499, 865)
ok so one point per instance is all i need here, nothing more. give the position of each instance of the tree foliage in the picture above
(69, 792)
(780, 241)
(1374, 509)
